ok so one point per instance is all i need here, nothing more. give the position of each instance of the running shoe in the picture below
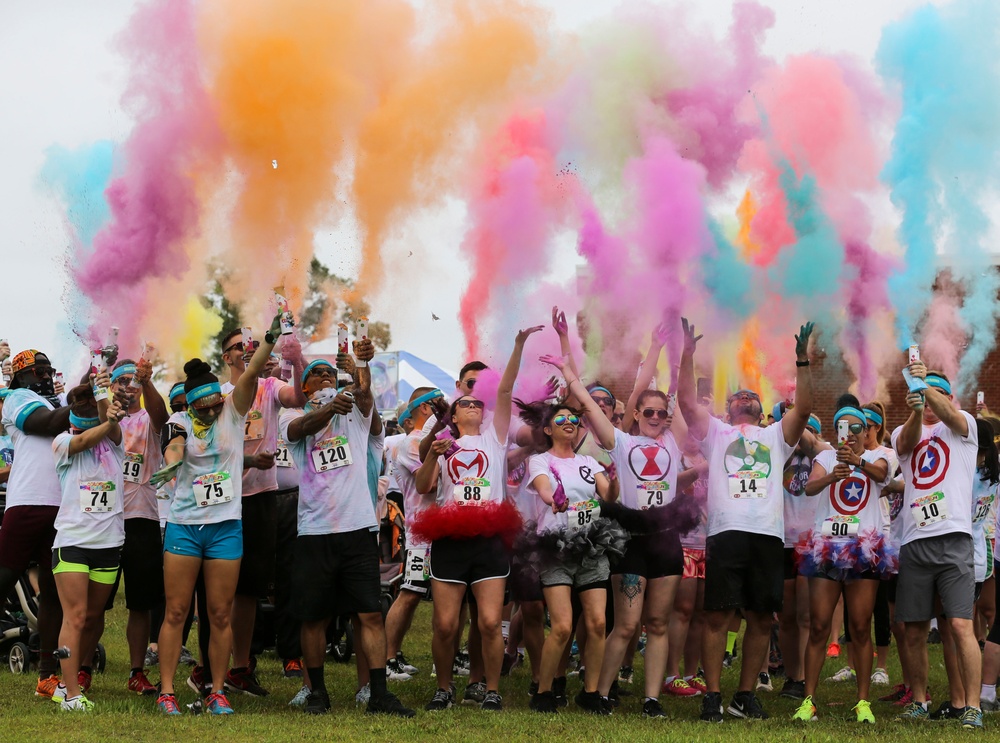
(794, 689)
(46, 686)
(934, 636)
(186, 658)
(79, 703)
(727, 659)
(880, 677)
(532, 688)
(946, 712)
(833, 650)
(680, 688)
(167, 704)
(543, 701)
(475, 693)
(711, 707)
(139, 684)
(652, 708)
(196, 681)
(897, 693)
(989, 705)
(863, 709)
(84, 679)
(914, 711)
(388, 704)
(844, 674)
(152, 658)
(626, 674)
(493, 702)
(364, 694)
(299, 700)
(510, 662)
(559, 689)
(59, 695)
(217, 704)
(746, 705)
(906, 699)
(405, 664)
(806, 711)
(764, 682)
(972, 719)
(442, 699)
(394, 672)
(461, 665)
(590, 701)
(244, 681)
(317, 702)
(698, 682)
(293, 668)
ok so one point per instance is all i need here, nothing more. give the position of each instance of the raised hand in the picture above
(364, 349)
(690, 339)
(551, 388)
(661, 333)
(557, 361)
(522, 335)
(559, 323)
(802, 342)
(915, 401)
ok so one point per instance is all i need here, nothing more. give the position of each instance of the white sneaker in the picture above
(764, 682)
(363, 695)
(844, 674)
(880, 677)
(59, 695)
(393, 672)
(77, 704)
(299, 700)
(405, 664)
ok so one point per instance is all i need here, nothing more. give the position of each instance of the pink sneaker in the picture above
(680, 688)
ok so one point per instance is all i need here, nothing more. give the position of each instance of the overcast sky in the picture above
(60, 83)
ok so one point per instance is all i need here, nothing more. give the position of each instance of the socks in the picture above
(376, 679)
(989, 692)
(670, 679)
(316, 680)
(731, 641)
(134, 671)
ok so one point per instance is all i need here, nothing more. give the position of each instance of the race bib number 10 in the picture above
(213, 489)
(97, 497)
(472, 491)
(747, 484)
(929, 509)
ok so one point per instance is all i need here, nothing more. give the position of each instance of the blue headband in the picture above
(83, 424)
(313, 365)
(873, 417)
(122, 371)
(177, 389)
(426, 397)
(4, 391)
(848, 411)
(814, 422)
(205, 390)
(934, 380)
(597, 387)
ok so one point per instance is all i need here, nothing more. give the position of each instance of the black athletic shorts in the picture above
(652, 556)
(744, 571)
(790, 569)
(469, 561)
(260, 534)
(336, 574)
(141, 566)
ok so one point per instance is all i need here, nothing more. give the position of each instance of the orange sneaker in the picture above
(46, 687)
(833, 650)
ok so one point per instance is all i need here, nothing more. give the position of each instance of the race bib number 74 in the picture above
(97, 496)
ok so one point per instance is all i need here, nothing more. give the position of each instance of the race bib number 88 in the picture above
(472, 491)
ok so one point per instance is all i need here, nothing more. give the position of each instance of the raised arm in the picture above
(793, 423)
(45, 422)
(426, 475)
(109, 414)
(292, 396)
(909, 435)
(687, 397)
(152, 400)
(647, 370)
(246, 387)
(599, 423)
(561, 327)
(505, 392)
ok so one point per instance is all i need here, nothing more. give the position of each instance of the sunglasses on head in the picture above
(472, 404)
(560, 420)
(659, 413)
(240, 347)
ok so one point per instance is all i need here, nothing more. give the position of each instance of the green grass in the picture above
(120, 715)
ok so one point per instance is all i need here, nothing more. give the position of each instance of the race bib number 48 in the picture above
(331, 454)
(213, 489)
(747, 484)
(582, 515)
(97, 496)
(132, 470)
(418, 566)
(929, 509)
(472, 491)
(652, 494)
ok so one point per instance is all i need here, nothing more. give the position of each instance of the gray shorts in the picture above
(939, 566)
(590, 572)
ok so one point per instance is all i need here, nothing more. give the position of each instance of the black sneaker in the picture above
(442, 699)
(934, 636)
(388, 704)
(475, 693)
(559, 690)
(244, 681)
(317, 703)
(493, 702)
(543, 701)
(745, 705)
(727, 659)
(794, 689)
(946, 712)
(532, 688)
(711, 707)
(590, 701)
(614, 695)
(652, 708)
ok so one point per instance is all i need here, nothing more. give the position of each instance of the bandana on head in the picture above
(176, 390)
(24, 359)
(815, 424)
(313, 365)
(83, 424)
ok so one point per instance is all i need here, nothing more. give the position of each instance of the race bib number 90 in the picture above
(582, 515)
(213, 489)
(97, 496)
(841, 526)
(929, 509)
(747, 484)
(331, 454)
(652, 494)
(132, 471)
(472, 491)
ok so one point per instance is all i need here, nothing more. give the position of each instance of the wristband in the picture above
(802, 363)
(268, 338)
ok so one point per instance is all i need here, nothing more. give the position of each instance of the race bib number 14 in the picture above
(747, 484)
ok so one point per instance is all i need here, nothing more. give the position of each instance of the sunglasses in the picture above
(472, 404)
(123, 381)
(471, 383)
(856, 428)
(240, 347)
(207, 409)
(603, 400)
(660, 414)
(560, 420)
(617, 417)
(748, 393)
(178, 407)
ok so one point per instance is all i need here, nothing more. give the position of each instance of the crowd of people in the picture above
(657, 521)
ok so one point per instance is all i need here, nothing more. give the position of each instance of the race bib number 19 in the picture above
(472, 491)
(331, 454)
(747, 484)
(212, 489)
(132, 471)
(97, 497)
(929, 509)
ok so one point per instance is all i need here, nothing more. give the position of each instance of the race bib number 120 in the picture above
(331, 454)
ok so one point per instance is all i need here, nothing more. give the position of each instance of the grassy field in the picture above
(120, 715)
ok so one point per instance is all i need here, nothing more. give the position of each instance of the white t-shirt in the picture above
(695, 539)
(848, 507)
(209, 483)
(476, 474)
(260, 433)
(518, 491)
(799, 509)
(579, 480)
(647, 469)
(984, 510)
(406, 462)
(33, 480)
(284, 463)
(334, 496)
(938, 476)
(142, 459)
(91, 513)
(745, 484)
(391, 443)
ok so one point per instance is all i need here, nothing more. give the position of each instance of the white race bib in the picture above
(132, 471)
(212, 489)
(418, 564)
(929, 509)
(97, 496)
(841, 526)
(331, 454)
(472, 491)
(253, 427)
(651, 494)
(747, 484)
(982, 508)
(581, 515)
(281, 456)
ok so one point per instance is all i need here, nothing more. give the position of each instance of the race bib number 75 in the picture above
(213, 489)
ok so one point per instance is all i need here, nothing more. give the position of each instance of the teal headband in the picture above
(597, 387)
(849, 411)
(427, 397)
(814, 422)
(873, 417)
(4, 391)
(933, 380)
(177, 389)
(122, 371)
(205, 390)
(83, 424)
(313, 365)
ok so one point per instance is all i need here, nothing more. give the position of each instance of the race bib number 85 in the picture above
(582, 515)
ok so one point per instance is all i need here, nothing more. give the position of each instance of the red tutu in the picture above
(495, 519)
